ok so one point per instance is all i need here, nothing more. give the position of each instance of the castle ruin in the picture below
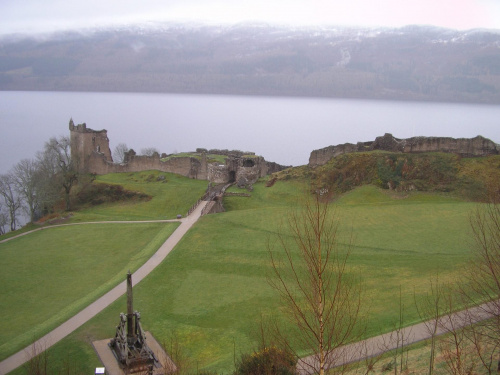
(465, 147)
(90, 149)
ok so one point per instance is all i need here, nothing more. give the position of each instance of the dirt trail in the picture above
(18, 359)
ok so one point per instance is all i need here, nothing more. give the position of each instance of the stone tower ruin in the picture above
(86, 143)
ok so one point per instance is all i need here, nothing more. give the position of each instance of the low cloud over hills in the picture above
(413, 63)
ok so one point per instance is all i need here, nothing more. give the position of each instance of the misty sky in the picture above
(27, 16)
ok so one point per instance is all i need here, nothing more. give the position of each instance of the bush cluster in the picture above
(474, 179)
(268, 361)
(95, 194)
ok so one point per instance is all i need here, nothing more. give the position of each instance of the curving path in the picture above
(18, 359)
(378, 345)
(89, 223)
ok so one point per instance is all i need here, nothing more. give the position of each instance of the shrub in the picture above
(268, 361)
(95, 194)
(388, 366)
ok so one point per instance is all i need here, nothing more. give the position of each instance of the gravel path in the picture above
(378, 345)
(94, 308)
(89, 223)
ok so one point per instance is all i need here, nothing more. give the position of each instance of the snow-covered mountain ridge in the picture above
(413, 62)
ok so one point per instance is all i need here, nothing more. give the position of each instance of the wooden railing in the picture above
(208, 196)
(193, 207)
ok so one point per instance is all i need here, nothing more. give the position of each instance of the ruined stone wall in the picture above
(214, 207)
(465, 147)
(185, 166)
(218, 174)
(273, 167)
(234, 153)
(242, 170)
(91, 149)
(250, 170)
(321, 156)
(248, 175)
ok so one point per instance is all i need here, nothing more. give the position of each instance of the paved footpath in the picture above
(378, 345)
(90, 223)
(21, 357)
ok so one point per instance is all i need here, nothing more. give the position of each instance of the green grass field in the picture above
(212, 290)
(50, 275)
(171, 197)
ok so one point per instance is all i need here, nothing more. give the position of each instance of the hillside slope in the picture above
(476, 179)
(412, 63)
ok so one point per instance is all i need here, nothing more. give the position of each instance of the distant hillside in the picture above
(412, 63)
(476, 179)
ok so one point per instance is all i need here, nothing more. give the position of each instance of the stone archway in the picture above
(232, 176)
(248, 163)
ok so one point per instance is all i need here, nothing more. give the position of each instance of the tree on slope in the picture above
(311, 274)
(11, 199)
(3, 220)
(59, 166)
(26, 178)
(484, 274)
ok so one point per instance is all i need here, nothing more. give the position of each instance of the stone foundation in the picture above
(111, 364)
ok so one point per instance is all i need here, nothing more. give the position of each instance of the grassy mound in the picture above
(170, 194)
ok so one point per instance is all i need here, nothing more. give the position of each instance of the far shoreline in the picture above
(396, 98)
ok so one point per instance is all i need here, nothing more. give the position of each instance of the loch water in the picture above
(282, 129)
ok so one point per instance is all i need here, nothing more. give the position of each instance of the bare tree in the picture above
(119, 152)
(11, 199)
(26, 180)
(454, 346)
(483, 281)
(430, 308)
(398, 341)
(60, 166)
(484, 349)
(49, 189)
(311, 275)
(149, 151)
(485, 272)
(177, 360)
(38, 362)
(3, 220)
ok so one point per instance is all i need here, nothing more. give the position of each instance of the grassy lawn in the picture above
(172, 195)
(50, 275)
(404, 243)
(212, 289)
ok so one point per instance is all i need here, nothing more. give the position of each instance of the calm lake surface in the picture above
(284, 130)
